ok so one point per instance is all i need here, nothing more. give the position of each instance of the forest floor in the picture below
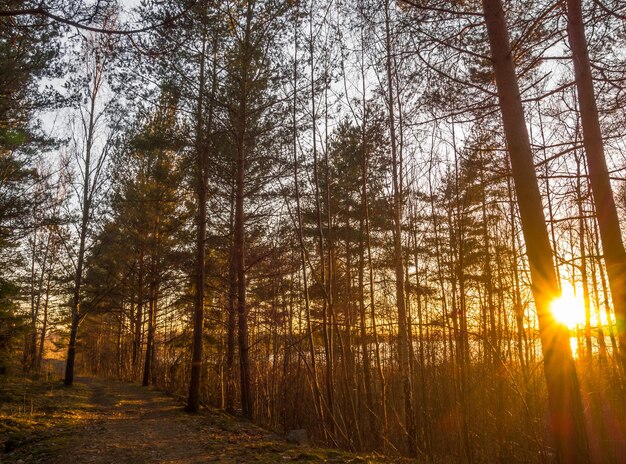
(101, 421)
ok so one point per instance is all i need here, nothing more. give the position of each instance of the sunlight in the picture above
(573, 344)
(568, 309)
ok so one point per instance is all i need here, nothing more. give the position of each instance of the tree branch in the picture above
(42, 11)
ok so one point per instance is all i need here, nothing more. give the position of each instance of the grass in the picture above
(40, 420)
(38, 415)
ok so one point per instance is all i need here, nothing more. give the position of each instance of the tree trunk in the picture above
(138, 318)
(240, 256)
(583, 259)
(403, 335)
(232, 315)
(566, 413)
(367, 369)
(44, 323)
(608, 222)
(326, 336)
(82, 240)
(148, 364)
(317, 397)
(193, 400)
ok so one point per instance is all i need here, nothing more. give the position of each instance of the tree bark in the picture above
(232, 315)
(326, 322)
(193, 400)
(85, 213)
(565, 405)
(240, 255)
(608, 222)
(317, 397)
(44, 323)
(150, 353)
(403, 336)
(138, 318)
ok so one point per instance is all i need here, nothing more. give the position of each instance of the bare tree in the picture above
(91, 154)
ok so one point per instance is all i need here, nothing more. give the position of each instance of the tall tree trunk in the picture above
(566, 413)
(193, 400)
(317, 397)
(583, 259)
(363, 231)
(425, 420)
(403, 335)
(517, 296)
(605, 291)
(71, 351)
(549, 200)
(320, 233)
(138, 317)
(82, 239)
(149, 371)
(330, 277)
(29, 340)
(30, 353)
(150, 349)
(608, 222)
(368, 239)
(365, 353)
(232, 313)
(240, 256)
(44, 323)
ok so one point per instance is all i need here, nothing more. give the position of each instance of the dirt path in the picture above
(121, 423)
(127, 424)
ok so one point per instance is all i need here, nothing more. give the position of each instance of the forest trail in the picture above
(108, 422)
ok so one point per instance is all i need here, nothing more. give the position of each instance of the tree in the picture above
(91, 158)
(403, 334)
(137, 253)
(29, 50)
(566, 413)
(28, 53)
(12, 325)
(608, 222)
(249, 63)
(201, 179)
(44, 240)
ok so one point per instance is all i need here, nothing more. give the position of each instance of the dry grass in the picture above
(99, 422)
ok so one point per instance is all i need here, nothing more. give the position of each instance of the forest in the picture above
(395, 224)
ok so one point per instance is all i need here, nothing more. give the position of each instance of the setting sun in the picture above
(568, 309)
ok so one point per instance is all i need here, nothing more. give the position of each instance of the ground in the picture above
(102, 421)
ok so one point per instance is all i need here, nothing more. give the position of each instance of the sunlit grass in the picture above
(30, 410)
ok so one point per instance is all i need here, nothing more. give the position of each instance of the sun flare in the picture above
(568, 309)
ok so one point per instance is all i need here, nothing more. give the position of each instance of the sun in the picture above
(568, 309)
